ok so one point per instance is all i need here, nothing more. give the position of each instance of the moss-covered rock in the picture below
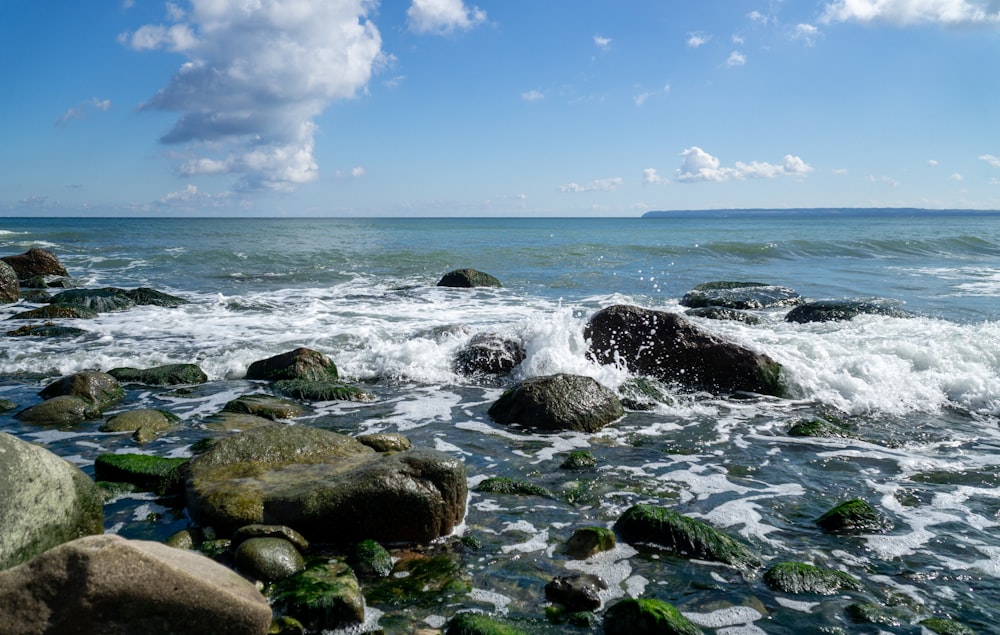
(324, 596)
(469, 623)
(504, 485)
(468, 278)
(870, 613)
(819, 427)
(166, 375)
(853, 516)
(301, 363)
(99, 389)
(579, 460)
(268, 559)
(385, 441)
(159, 474)
(588, 541)
(322, 391)
(558, 402)
(799, 577)
(682, 535)
(420, 581)
(647, 617)
(145, 424)
(266, 406)
(61, 411)
(943, 626)
(370, 560)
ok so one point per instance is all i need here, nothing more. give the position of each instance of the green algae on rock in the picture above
(588, 541)
(324, 596)
(855, 515)
(647, 617)
(799, 577)
(504, 485)
(159, 474)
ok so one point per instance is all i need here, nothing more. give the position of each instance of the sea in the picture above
(921, 394)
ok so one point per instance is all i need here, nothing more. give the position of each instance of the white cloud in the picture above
(956, 177)
(806, 33)
(736, 59)
(603, 43)
(597, 185)
(533, 95)
(697, 39)
(641, 98)
(443, 16)
(907, 12)
(887, 180)
(699, 165)
(257, 74)
(992, 160)
(758, 17)
(932, 163)
(650, 177)
(80, 110)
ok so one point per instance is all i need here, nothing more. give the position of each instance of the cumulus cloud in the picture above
(736, 59)
(597, 185)
(699, 165)
(992, 160)
(806, 33)
(603, 43)
(650, 177)
(256, 76)
(697, 39)
(907, 12)
(80, 110)
(443, 16)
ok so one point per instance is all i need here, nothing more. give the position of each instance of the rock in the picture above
(558, 402)
(158, 474)
(686, 537)
(166, 375)
(421, 580)
(270, 531)
(818, 427)
(61, 411)
(853, 516)
(44, 502)
(35, 262)
(588, 541)
(6, 405)
(323, 597)
(740, 295)
(265, 406)
(370, 560)
(45, 282)
(469, 623)
(268, 559)
(577, 592)
(146, 423)
(327, 486)
(48, 329)
(106, 300)
(302, 363)
(55, 312)
(798, 577)
(235, 422)
(579, 460)
(107, 585)
(321, 391)
(722, 313)
(647, 617)
(10, 286)
(644, 394)
(145, 296)
(504, 485)
(489, 355)
(385, 441)
(839, 310)
(870, 613)
(466, 278)
(99, 389)
(668, 347)
(943, 626)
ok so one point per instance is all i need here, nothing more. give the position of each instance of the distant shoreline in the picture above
(817, 211)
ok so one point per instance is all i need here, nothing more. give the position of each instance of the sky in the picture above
(496, 107)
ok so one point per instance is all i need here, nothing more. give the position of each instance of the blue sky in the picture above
(496, 107)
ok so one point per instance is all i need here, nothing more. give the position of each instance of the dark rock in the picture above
(740, 295)
(489, 355)
(35, 262)
(235, 422)
(668, 347)
(647, 617)
(6, 405)
(268, 559)
(46, 330)
(284, 532)
(285, 625)
(146, 296)
(723, 313)
(579, 460)
(504, 485)
(558, 402)
(301, 363)
(166, 375)
(45, 282)
(323, 597)
(10, 286)
(943, 626)
(839, 310)
(385, 441)
(321, 391)
(266, 406)
(818, 427)
(63, 410)
(108, 299)
(470, 623)
(853, 516)
(588, 541)
(55, 312)
(99, 389)
(158, 474)
(44, 502)
(468, 278)
(643, 394)
(577, 592)
(107, 585)
(421, 580)
(798, 577)
(327, 486)
(869, 613)
(370, 560)
(686, 537)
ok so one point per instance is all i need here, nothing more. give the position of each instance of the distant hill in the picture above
(815, 211)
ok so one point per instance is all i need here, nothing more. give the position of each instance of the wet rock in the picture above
(268, 559)
(470, 623)
(579, 460)
(818, 427)
(370, 560)
(266, 406)
(321, 391)
(577, 592)
(798, 577)
(327, 486)
(643, 394)
(146, 424)
(740, 295)
(668, 347)
(55, 312)
(589, 541)
(61, 411)
(685, 536)
(943, 626)
(301, 363)
(421, 580)
(106, 584)
(840, 310)
(558, 402)
(647, 617)
(166, 375)
(146, 296)
(270, 531)
(10, 286)
(101, 390)
(853, 516)
(235, 422)
(105, 300)
(35, 262)
(468, 278)
(869, 613)
(323, 597)
(37, 283)
(158, 474)
(487, 354)
(44, 502)
(385, 441)
(48, 329)
(504, 485)
(723, 313)
(7, 405)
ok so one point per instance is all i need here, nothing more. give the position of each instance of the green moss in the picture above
(853, 516)
(588, 541)
(424, 582)
(946, 627)
(468, 623)
(504, 485)
(321, 391)
(817, 427)
(647, 617)
(579, 460)
(159, 474)
(868, 613)
(322, 597)
(265, 406)
(798, 577)
(684, 536)
(370, 560)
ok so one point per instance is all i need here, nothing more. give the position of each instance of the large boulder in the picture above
(44, 502)
(107, 585)
(59, 411)
(35, 262)
(668, 347)
(327, 486)
(302, 363)
(101, 390)
(107, 299)
(558, 402)
(10, 286)
(489, 354)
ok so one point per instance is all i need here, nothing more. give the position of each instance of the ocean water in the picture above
(921, 393)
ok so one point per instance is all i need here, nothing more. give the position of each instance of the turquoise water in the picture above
(923, 392)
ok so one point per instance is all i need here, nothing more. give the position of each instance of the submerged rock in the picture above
(799, 577)
(740, 295)
(166, 375)
(854, 516)
(668, 347)
(468, 278)
(504, 485)
(588, 541)
(723, 313)
(55, 312)
(840, 310)
(558, 402)
(647, 617)
(577, 592)
(48, 329)
(579, 460)
(470, 623)
(322, 391)
(35, 262)
(105, 300)
(266, 406)
(301, 363)
(943, 626)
